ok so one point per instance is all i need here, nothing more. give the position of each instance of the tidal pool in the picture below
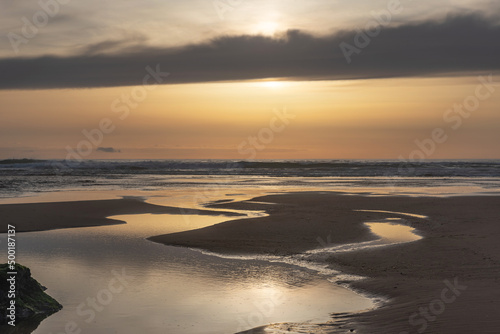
(111, 279)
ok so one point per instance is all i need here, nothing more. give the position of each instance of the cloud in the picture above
(108, 150)
(459, 43)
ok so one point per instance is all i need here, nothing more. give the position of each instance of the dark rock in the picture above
(32, 303)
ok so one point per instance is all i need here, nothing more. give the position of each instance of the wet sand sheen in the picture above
(460, 241)
(459, 245)
(173, 289)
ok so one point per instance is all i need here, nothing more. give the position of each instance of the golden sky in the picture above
(359, 119)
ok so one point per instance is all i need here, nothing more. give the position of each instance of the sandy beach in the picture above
(458, 252)
(460, 248)
(49, 216)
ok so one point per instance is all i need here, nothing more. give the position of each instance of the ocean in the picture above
(31, 177)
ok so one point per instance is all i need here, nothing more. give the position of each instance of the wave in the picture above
(277, 168)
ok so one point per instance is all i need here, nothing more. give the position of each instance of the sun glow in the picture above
(272, 84)
(267, 28)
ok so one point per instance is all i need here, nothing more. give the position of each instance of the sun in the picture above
(272, 84)
(266, 28)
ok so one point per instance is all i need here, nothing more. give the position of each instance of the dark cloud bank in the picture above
(458, 43)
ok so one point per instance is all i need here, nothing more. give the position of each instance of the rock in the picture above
(32, 303)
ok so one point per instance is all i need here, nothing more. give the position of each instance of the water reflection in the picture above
(393, 233)
(389, 231)
(169, 289)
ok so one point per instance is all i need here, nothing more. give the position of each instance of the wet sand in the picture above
(460, 246)
(49, 216)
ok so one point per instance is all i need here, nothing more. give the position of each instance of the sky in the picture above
(242, 79)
